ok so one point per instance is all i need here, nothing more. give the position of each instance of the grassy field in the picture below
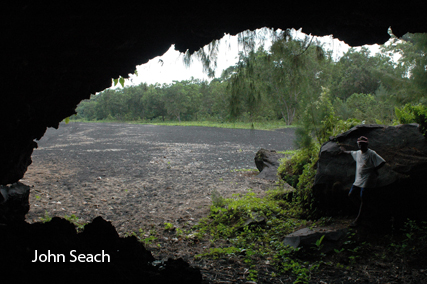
(262, 125)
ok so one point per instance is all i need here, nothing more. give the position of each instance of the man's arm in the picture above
(343, 150)
(378, 167)
(377, 159)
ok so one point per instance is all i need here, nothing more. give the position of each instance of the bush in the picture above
(413, 113)
(299, 172)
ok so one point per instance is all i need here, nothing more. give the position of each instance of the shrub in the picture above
(413, 113)
(299, 172)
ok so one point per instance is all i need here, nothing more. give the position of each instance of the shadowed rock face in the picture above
(54, 54)
(96, 255)
(267, 163)
(400, 188)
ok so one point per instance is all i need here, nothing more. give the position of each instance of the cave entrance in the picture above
(92, 154)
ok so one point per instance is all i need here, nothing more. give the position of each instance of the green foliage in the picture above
(412, 84)
(262, 125)
(252, 227)
(245, 92)
(276, 82)
(412, 240)
(299, 172)
(319, 242)
(72, 219)
(316, 113)
(413, 114)
(244, 170)
(120, 80)
(147, 238)
(217, 199)
(46, 217)
(359, 72)
(294, 81)
(75, 221)
(168, 226)
(296, 74)
(319, 122)
(217, 253)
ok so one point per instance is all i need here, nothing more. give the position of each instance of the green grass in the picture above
(262, 125)
(288, 152)
(73, 219)
(147, 238)
(268, 125)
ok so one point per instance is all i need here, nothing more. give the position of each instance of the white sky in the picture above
(170, 66)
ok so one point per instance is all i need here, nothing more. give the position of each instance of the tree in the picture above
(176, 100)
(365, 107)
(153, 102)
(220, 99)
(354, 73)
(412, 49)
(86, 110)
(295, 74)
(244, 87)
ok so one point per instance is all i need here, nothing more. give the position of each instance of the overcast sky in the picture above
(170, 66)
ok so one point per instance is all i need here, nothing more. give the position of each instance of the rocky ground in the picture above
(139, 175)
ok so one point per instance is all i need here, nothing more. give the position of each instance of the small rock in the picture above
(308, 237)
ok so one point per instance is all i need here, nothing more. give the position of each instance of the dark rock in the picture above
(267, 162)
(308, 237)
(14, 204)
(99, 229)
(129, 261)
(400, 188)
(181, 271)
(256, 219)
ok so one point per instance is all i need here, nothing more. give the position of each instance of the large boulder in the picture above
(400, 190)
(267, 163)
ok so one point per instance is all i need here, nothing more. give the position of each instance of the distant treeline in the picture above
(294, 80)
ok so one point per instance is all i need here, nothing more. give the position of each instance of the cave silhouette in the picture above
(57, 53)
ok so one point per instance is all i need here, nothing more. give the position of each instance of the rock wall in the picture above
(54, 252)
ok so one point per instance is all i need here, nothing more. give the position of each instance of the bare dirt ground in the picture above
(134, 174)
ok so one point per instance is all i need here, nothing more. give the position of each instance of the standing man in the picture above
(367, 164)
